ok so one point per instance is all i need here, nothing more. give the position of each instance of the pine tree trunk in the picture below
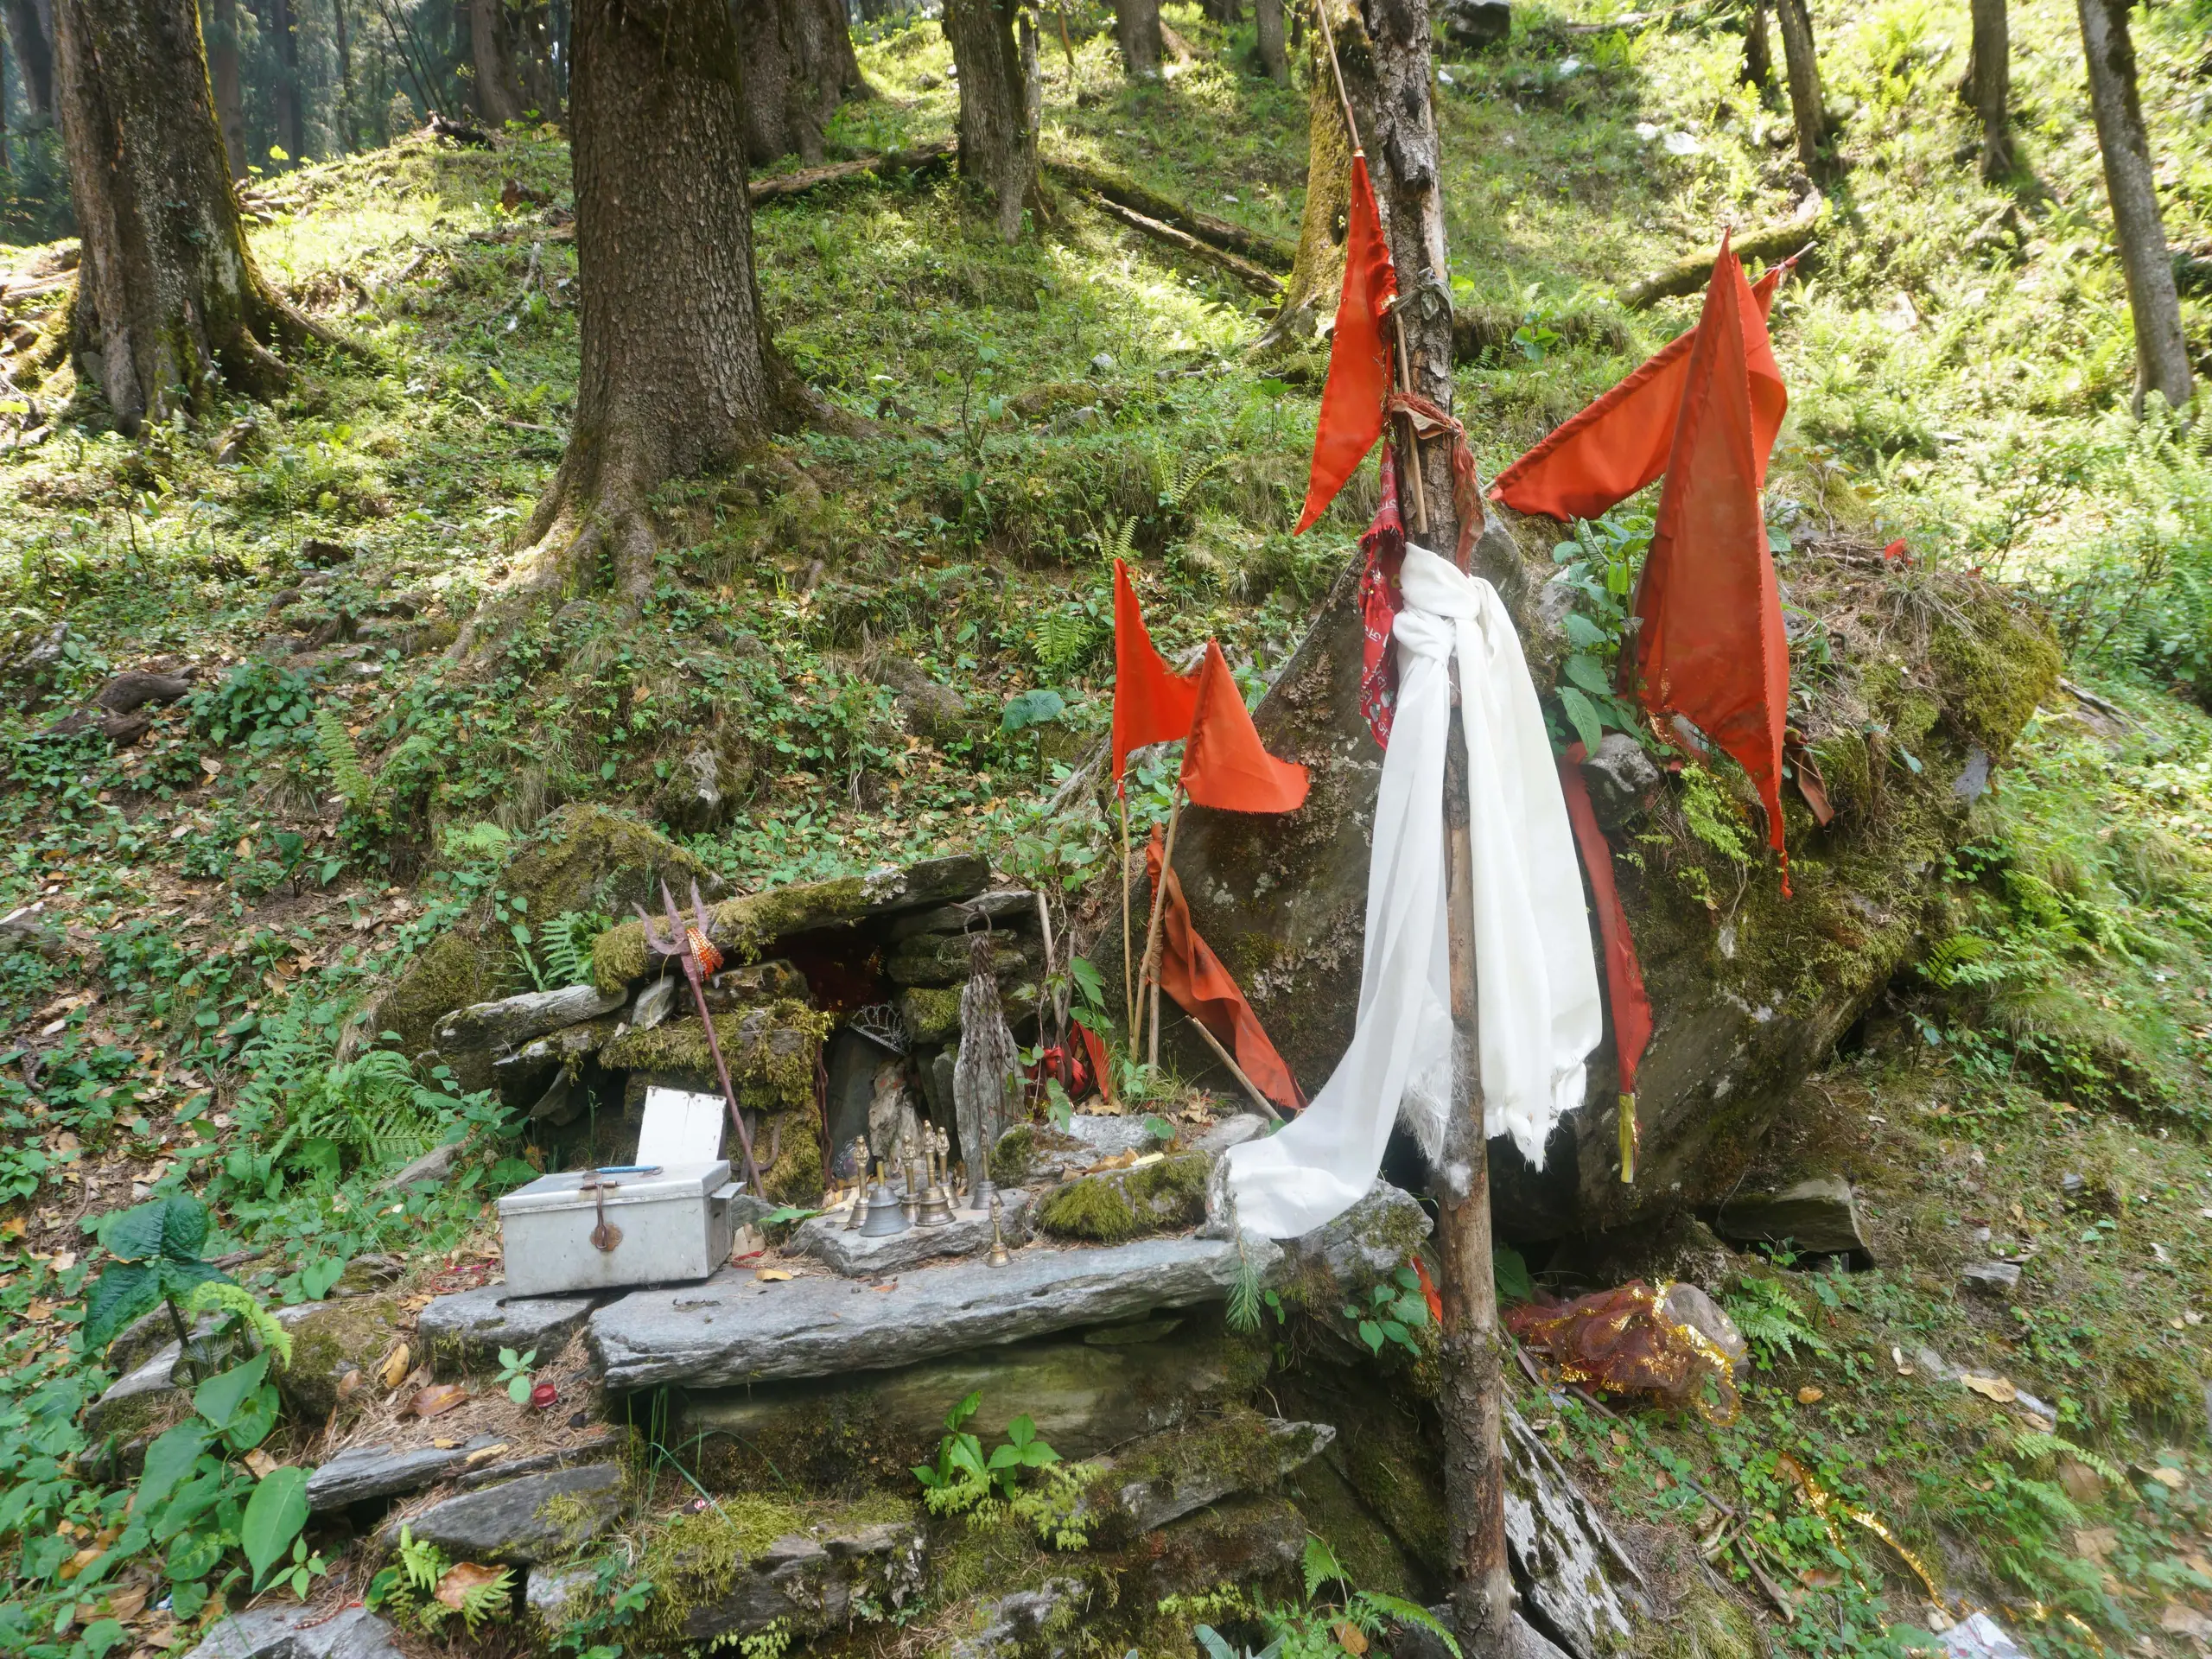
(1136, 31)
(168, 299)
(30, 35)
(1267, 16)
(678, 374)
(997, 151)
(2161, 351)
(1033, 76)
(1992, 86)
(291, 124)
(799, 64)
(490, 50)
(1759, 50)
(222, 23)
(1801, 64)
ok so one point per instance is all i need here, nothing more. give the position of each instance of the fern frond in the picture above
(1408, 1612)
(343, 757)
(219, 1296)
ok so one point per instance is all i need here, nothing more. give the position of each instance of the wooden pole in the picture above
(1472, 1394)
(1128, 956)
(1150, 974)
(1267, 1107)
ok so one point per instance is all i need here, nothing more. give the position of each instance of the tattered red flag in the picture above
(1709, 645)
(1224, 763)
(1381, 599)
(1152, 703)
(1359, 355)
(1624, 990)
(1208, 991)
(1620, 443)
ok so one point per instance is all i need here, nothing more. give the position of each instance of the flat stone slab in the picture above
(810, 1586)
(1819, 1217)
(1156, 1481)
(299, 1633)
(469, 1327)
(828, 1240)
(361, 1473)
(734, 1329)
(537, 1518)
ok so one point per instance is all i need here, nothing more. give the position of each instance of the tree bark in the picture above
(997, 150)
(490, 50)
(533, 52)
(348, 132)
(678, 374)
(1992, 86)
(1136, 31)
(1318, 272)
(222, 26)
(1801, 64)
(1266, 16)
(291, 121)
(169, 299)
(30, 34)
(1228, 13)
(2161, 351)
(1759, 50)
(799, 64)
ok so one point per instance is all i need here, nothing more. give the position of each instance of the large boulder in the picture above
(1919, 679)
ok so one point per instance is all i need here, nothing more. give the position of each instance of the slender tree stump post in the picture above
(1472, 1401)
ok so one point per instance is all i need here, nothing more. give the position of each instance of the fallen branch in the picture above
(922, 159)
(1265, 284)
(1688, 275)
(1123, 191)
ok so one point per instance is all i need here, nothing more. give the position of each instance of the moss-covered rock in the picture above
(745, 927)
(451, 973)
(946, 959)
(330, 1339)
(1114, 1205)
(931, 1014)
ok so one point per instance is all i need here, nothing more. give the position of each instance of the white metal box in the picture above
(666, 1220)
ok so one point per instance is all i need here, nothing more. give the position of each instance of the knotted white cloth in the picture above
(1537, 975)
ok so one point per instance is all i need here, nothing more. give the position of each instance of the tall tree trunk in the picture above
(168, 296)
(1992, 86)
(1382, 47)
(997, 150)
(1759, 50)
(2161, 351)
(29, 33)
(799, 64)
(348, 129)
(1808, 108)
(291, 116)
(1317, 272)
(1136, 31)
(1267, 17)
(533, 51)
(490, 50)
(677, 373)
(1033, 76)
(221, 19)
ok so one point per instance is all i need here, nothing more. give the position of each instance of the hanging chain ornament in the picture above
(688, 941)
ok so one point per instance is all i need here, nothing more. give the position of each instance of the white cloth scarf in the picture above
(1536, 977)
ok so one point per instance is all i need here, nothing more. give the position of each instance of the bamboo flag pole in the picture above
(1128, 960)
(1150, 975)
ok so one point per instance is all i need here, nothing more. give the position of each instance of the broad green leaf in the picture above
(219, 1398)
(1510, 1272)
(960, 1412)
(1581, 633)
(1022, 1429)
(1583, 716)
(1589, 673)
(1032, 709)
(184, 1227)
(125, 1291)
(1371, 1334)
(100, 1635)
(518, 1389)
(250, 1423)
(274, 1517)
(136, 1233)
(193, 1555)
(180, 1279)
(168, 1460)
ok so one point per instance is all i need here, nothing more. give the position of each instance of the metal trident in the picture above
(689, 943)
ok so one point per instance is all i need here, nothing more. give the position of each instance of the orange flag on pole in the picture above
(1359, 356)
(1152, 703)
(1224, 763)
(1711, 646)
(1208, 991)
(1620, 443)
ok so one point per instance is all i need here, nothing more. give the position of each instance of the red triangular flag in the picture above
(1224, 763)
(1208, 991)
(1624, 990)
(1359, 357)
(1619, 444)
(1710, 645)
(1152, 703)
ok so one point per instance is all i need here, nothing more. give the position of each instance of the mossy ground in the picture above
(1955, 366)
(1110, 1208)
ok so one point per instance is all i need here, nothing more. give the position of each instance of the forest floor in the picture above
(335, 791)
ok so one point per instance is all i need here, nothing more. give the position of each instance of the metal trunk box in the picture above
(664, 1219)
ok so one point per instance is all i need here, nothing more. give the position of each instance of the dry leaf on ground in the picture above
(439, 1398)
(1998, 1389)
(394, 1368)
(462, 1577)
